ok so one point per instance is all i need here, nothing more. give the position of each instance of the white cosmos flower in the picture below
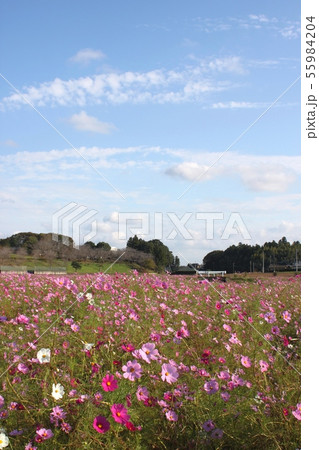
(87, 346)
(44, 355)
(57, 391)
(4, 441)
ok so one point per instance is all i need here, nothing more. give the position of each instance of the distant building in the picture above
(184, 270)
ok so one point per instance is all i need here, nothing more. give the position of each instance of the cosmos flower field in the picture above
(141, 361)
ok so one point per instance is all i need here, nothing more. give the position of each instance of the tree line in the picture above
(140, 254)
(270, 257)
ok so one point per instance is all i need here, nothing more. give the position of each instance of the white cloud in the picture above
(84, 122)
(267, 177)
(87, 55)
(238, 105)
(10, 143)
(195, 82)
(258, 173)
(290, 31)
(190, 171)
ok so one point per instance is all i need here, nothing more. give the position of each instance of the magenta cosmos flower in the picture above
(169, 373)
(100, 424)
(132, 370)
(109, 383)
(119, 413)
(245, 361)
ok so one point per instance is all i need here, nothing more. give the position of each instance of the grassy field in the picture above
(142, 361)
(87, 267)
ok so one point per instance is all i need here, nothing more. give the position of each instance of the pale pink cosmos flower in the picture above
(132, 370)
(224, 375)
(263, 366)
(171, 416)
(142, 393)
(148, 352)
(45, 433)
(234, 339)
(225, 396)
(23, 368)
(297, 412)
(245, 361)
(169, 373)
(286, 316)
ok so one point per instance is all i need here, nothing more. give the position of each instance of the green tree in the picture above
(76, 265)
(103, 246)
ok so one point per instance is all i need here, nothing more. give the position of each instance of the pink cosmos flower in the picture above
(208, 425)
(109, 383)
(275, 330)
(211, 386)
(44, 434)
(23, 368)
(142, 393)
(169, 373)
(217, 433)
(286, 316)
(224, 375)
(119, 413)
(234, 339)
(75, 327)
(225, 396)
(100, 424)
(132, 370)
(148, 352)
(184, 331)
(56, 415)
(171, 416)
(297, 412)
(263, 366)
(245, 361)
(128, 347)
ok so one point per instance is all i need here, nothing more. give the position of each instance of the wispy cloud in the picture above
(193, 83)
(9, 143)
(238, 105)
(86, 55)
(84, 122)
(287, 29)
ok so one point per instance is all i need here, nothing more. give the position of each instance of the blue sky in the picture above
(172, 109)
